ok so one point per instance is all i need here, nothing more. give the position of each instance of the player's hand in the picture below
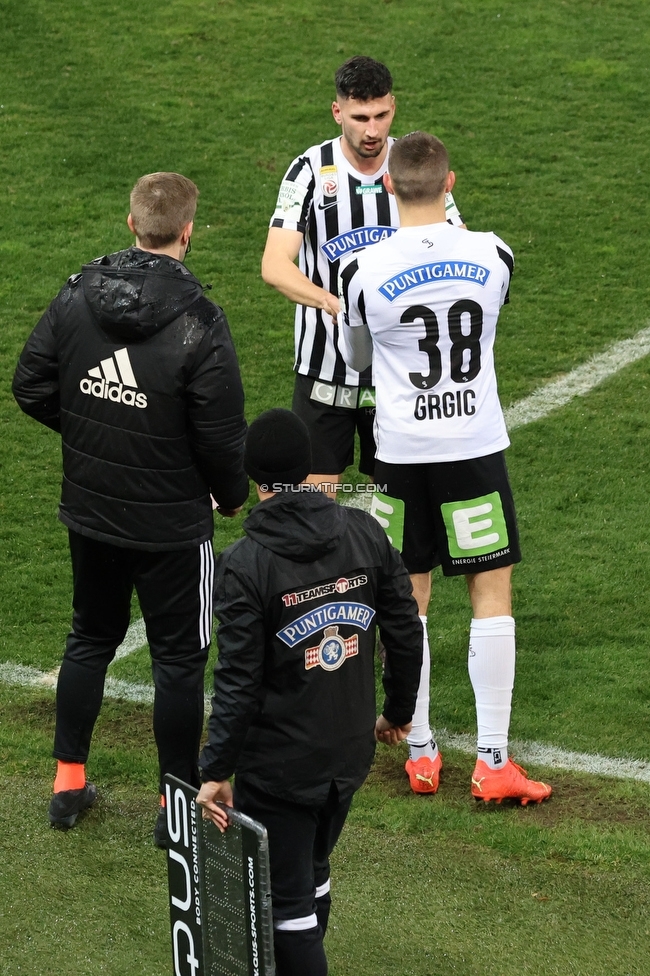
(390, 734)
(229, 512)
(331, 305)
(210, 795)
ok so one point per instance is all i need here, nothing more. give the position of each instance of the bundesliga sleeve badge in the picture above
(329, 180)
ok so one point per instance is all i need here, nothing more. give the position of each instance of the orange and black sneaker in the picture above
(508, 783)
(424, 773)
(66, 805)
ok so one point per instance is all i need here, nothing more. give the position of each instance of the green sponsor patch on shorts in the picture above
(367, 397)
(389, 512)
(475, 526)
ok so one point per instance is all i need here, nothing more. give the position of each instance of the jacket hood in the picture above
(134, 294)
(302, 526)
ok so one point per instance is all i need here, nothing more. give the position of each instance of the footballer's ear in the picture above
(451, 179)
(130, 224)
(388, 183)
(336, 112)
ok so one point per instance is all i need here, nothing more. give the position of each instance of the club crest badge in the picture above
(329, 180)
(332, 650)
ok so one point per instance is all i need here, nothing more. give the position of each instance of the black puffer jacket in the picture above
(298, 601)
(137, 370)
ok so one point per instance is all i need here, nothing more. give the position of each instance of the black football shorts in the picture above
(332, 427)
(458, 514)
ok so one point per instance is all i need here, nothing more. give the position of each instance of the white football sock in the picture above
(491, 666)
(419, 738)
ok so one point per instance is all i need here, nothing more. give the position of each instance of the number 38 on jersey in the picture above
(461, 361)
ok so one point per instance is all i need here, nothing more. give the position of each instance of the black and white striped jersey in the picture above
(338, 210)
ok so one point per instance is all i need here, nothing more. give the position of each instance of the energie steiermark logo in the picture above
(114, 380)
(389, 512)
(475, 527)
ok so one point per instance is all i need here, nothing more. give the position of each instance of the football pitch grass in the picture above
(545, 111)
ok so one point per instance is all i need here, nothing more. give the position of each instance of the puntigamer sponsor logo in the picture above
(438, 271)
(330, 613)
(352, 240)
(114, 380)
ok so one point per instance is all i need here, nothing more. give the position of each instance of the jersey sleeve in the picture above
(508, 267)
(355, 341)
(295, 196)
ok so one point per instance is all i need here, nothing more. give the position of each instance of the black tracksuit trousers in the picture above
(175, 593)
(301, 839)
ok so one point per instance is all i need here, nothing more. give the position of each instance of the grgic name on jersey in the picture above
(337, 247)
(392, 288)
(341, 585)
(436, 407)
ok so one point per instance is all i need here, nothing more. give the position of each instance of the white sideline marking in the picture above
(579, 381)
(539, 404)
(539, 754)
(527, 752)
(136, 637)
(560, 392)
(19, 674)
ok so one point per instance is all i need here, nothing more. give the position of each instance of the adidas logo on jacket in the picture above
(114, 380)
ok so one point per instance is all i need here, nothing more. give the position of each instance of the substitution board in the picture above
(219, 891)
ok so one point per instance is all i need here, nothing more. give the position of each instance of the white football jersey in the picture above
(429, 297)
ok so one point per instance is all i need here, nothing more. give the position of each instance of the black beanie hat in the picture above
(277, 449)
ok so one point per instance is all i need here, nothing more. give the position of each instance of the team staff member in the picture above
(332, 201)
(293, 712)
(425, 304)
(137, 371)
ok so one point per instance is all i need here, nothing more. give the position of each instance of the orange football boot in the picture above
(508, 783)
(424, 773)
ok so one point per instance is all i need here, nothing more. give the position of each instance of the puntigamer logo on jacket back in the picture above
(113, 380)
